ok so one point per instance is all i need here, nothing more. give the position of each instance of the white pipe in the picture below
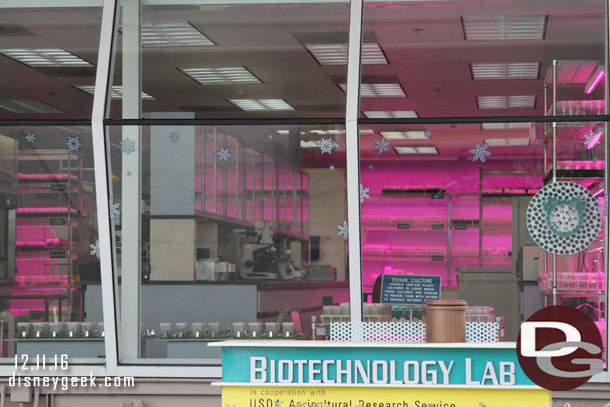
(36, 397)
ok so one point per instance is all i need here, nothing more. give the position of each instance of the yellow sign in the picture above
(242, 396)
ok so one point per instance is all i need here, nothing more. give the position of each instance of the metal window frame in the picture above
(352, 121)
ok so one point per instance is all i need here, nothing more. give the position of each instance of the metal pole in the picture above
(554, 290)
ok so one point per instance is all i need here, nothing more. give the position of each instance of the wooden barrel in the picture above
(446, 321)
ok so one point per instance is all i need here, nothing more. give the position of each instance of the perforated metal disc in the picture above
(563, 218)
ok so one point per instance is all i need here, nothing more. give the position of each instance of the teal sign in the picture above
(383, 365)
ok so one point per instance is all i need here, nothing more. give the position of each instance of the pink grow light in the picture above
(594, 140)
(598, 78)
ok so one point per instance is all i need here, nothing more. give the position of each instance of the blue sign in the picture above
(409, 289)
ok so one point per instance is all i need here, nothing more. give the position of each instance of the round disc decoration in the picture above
(563, 218)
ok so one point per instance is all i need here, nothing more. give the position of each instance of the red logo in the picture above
(559, 348)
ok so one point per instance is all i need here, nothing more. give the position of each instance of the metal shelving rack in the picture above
(52, 177)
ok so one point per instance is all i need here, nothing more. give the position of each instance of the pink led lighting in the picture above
(595, 140)
(598, 78)
(601, 191)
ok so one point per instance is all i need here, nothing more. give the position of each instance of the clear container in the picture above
(199, 329)
(183, 330)
(73, 330)
(271, 330)
(288, 329)
(239, 329)
(57, 329)
(166, 330)
(24, 330)
(214, 329)
(255, 329)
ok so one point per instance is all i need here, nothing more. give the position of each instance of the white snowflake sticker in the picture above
(342, 230)
(113, 208)
(371, 167)
(223, 154)
(94, 249)
(332, 167)
(73, 143)
(30, 138)
(327, 145)
(382, 145)
(173, 138)
(480, 152)
(428, 133)
(591, 139)
(364, 193)
(128, 146)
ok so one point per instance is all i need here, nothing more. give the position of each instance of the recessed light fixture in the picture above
(379, 90)
(506, 102)
(182, 34)
(504, 70)
(221, 76)
(336, 54)
(27, 106)
(117, 92)
(416, 150)
(253, 105)
(504, 126)
(49, 57)
(404, 135)
(507, 142)
(308, 144)
(394, 114)
(518, 27)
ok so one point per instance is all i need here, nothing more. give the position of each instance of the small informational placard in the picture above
(409, 289)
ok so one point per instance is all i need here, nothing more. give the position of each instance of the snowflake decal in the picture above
(342, 230)
(371, 167)
(480, 152)
(332, 167)
(364, 193)
(30, 138)
(73, 143)
(128, 146)
(173, 138)
(270, 137)
(95, 249)
(223, 154)
(382, 145)
(590, 139)
(428, 133)
(327, 145)
(114, 209)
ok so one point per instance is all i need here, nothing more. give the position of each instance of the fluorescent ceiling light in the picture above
(506, 102)
(27, 106)
(117, 92)
(51, 57)
(511, 70)
(315, 144)
(505, 27)
(379, 90)
(394, 114)
(252, 105)
(404, 135)
(504, 126)
(510, 142)
(308, 144)
(221, 76)
(367, 131)
(416, 150)
(336, 54)
(181, 34)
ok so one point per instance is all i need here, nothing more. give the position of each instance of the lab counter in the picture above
(222, 301)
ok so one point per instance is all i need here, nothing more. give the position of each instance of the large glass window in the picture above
(480, 58)
(238, 235)
(467, 202)
(48, 57)
(49, 255)
(229, 60)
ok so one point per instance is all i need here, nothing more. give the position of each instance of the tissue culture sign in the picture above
(409, 290)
